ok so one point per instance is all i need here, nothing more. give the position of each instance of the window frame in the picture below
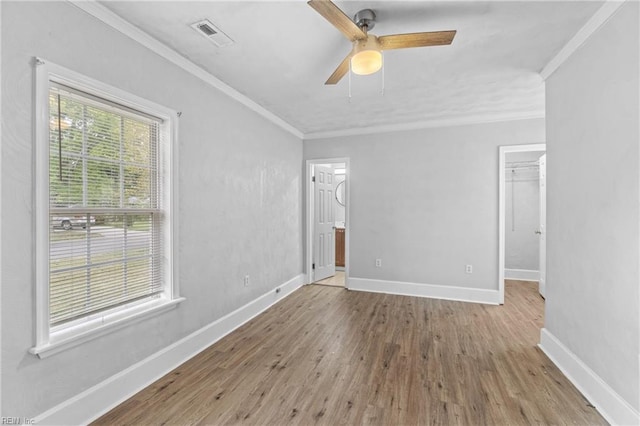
(49, 342)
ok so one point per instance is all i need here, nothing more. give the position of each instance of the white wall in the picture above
(239, 201)
(426, 201)
(593, 198)
(521, 220)
(522, 215)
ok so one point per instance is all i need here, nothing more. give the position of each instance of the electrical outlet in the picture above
(246, 280)
(469, 269)
(378, 263)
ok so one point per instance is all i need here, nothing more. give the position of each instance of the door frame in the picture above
(309, 203)
(503, 151)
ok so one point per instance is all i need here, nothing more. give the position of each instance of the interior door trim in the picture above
(503, 151)
(308, 215)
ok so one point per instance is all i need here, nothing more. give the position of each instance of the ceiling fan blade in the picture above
(342, 69)
(402, 41)
(338, 19)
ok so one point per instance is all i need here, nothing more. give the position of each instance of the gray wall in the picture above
(426, 201)
(522, 215)
(593, 203)
(522, 218)
(239, 198)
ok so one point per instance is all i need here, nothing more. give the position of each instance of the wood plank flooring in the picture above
(336, 281)
(329, 356)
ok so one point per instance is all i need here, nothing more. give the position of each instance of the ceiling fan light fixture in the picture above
(367, 56)
(366, 62)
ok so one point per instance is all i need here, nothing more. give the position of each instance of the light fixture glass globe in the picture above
(366, 62)
(367, 56)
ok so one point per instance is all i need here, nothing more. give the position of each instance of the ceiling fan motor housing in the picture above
(365, 18)
(366, 57)
(370, 43)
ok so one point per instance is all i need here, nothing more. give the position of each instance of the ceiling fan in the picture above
(365, 56)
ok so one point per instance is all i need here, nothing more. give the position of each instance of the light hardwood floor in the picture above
(333, 357)
(336, 281)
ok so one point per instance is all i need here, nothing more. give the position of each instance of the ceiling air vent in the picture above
(212, 33)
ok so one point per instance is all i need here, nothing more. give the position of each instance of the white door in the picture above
(323, 228)
(543, 226)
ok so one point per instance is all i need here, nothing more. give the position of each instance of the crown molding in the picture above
(597, 20)
(426, 124)
(100, 12)
(108, 17)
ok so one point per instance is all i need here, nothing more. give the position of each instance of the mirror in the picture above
(340, 193)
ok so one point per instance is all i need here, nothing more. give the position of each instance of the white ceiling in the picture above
(284, 51)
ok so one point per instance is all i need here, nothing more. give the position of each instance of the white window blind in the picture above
(105, 206)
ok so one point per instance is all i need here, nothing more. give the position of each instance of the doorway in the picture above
(327, 224)
(522, 215)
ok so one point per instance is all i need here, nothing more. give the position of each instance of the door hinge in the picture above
(313, 179)
(313, 266)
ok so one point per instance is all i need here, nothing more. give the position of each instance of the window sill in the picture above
(74, 336)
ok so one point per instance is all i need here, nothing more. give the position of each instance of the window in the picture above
(104, 225)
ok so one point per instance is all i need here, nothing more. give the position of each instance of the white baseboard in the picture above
(99, 399)
(521, 274)
(462, 294)
(609, 404)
